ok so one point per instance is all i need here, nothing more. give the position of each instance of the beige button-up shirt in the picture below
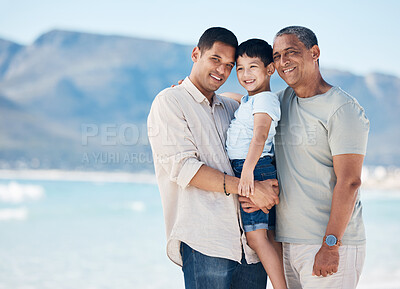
(185, 132)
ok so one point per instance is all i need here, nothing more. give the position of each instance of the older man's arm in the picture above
(348, 172)
(233, 95)
(209, 179)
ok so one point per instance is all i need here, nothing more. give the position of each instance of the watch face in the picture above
(330, 240)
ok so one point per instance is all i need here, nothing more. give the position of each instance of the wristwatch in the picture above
(332, 241)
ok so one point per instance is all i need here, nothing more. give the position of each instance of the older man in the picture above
(321, 143)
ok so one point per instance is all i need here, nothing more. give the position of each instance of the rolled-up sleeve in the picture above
(171, 140)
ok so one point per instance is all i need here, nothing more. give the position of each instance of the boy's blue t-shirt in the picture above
(240, 131)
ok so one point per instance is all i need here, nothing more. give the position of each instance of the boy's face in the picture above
(252, 74)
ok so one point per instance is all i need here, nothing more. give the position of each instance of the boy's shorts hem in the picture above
(253, 227)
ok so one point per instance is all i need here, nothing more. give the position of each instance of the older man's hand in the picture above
(326, 261)
(264, 198)
(247, 205)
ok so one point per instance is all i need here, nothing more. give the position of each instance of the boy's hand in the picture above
(246, 184)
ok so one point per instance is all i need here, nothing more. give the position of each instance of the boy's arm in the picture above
(262, 124)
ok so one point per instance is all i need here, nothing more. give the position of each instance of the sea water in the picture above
(94, 235)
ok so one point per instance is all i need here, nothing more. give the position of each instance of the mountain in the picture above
(79, 101)
(7, 51)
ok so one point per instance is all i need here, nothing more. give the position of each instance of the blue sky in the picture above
(354, 35)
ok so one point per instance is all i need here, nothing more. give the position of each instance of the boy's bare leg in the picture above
(277, 245)
(270, 258)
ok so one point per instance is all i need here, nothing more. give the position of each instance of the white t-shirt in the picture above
(240, 131)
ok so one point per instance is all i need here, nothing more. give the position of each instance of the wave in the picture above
(138, 206)
(13, 214)
(18, 193)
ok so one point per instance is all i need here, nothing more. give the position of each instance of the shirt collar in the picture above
(197, 95)
(193, 90)
(217, 100)
(245, 98)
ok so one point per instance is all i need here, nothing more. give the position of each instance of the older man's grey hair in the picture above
(305, 35)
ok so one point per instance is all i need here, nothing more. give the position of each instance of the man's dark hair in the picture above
(305, 35)
(217, 34)
(256, 48)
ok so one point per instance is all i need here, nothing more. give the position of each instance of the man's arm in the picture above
(209, 179)
(233, 95)
(348, 172)
(171, 140)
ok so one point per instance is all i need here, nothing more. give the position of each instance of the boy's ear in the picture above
(270, 68)
(196, 54)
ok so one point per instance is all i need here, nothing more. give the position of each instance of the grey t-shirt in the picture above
(310, 132)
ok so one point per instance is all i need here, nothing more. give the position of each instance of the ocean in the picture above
(98, 235)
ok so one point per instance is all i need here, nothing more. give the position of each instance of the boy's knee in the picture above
(256, 241)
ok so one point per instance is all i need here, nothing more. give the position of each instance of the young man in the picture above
(187, 131)
(320, 146)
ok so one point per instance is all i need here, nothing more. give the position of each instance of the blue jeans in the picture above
(265, 169)
(205, 272)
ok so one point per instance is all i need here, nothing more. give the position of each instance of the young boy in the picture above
(250, 147)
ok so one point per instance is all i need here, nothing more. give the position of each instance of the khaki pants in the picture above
(298, 262)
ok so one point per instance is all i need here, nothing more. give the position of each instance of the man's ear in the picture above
(315, 52)
(270, 68)
(196, 54)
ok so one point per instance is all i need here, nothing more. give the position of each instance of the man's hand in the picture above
(247, 205)
(246, 184)
(179, 83)
(264, 198)
(326, 261)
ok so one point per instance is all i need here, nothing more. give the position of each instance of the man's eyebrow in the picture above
(216, 55)
(286, 49)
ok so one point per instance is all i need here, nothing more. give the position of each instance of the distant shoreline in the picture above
(388, 181)
(84, 176)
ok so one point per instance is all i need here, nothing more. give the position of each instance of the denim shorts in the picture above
(265, 169)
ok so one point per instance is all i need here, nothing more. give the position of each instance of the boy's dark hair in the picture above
(256, 48)
(217, 34)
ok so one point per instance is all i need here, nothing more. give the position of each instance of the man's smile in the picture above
(216, 77)
(288, 70)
